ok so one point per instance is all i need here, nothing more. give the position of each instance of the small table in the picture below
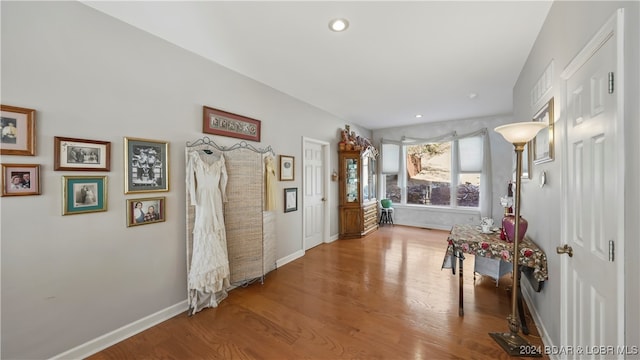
(467, 239)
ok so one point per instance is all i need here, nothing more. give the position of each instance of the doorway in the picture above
(592, 305)
(315, 184)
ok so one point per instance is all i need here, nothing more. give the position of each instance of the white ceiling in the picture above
(396, 60)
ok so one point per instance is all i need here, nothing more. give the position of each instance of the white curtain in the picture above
(390, 157)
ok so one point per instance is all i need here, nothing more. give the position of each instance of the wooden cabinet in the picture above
(358, 206)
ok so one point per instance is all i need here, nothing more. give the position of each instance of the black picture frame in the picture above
(290, 199)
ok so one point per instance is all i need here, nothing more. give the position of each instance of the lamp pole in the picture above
(518, 134)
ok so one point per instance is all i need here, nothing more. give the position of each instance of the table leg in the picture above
(523, 320)
(460, 296)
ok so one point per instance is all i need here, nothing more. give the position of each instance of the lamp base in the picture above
(515, 345)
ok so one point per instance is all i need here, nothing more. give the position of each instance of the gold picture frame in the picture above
(542, 145)
(20, 179)
(144, 211)
(17, 131)
(146, 165)
(84, 194)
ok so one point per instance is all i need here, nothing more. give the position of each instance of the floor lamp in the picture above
(519, 134)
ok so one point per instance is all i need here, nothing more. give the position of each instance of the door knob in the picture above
(323, 199)
(566, 249)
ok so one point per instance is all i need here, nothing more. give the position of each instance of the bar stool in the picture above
(386, 212)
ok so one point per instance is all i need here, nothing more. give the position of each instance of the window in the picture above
(444, 173)
(470, 168)
(429, 174)
(393, 191)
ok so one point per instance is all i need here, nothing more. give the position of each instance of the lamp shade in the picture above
(520, 132)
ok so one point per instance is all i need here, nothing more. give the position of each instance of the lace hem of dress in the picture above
(208, 290)
(212, 281)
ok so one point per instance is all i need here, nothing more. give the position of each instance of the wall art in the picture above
(17, 129)
(145, 211)
(20, 179)
(224, 123)
(290, 199)
(287, 168)
(146, 165)
(542, 144)
(81, 154)
(84, 194)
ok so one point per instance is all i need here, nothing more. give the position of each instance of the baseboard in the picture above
(289, 258)
(332, 238)
(426, 226)
(544, 335)
(100, 343)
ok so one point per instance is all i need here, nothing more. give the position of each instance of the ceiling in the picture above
(396, 59)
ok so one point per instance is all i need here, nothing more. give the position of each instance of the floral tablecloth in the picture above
(469, 240)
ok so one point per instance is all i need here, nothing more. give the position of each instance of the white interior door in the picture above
(314, 202)
(593, 296)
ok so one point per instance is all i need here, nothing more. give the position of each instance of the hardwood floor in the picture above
(380, 297)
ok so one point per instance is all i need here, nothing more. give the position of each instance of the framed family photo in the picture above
(542, 144)
(20, 179)
(287, 168)
(146, 165)
(145, 211)
(224, 123)
(84, 194)
(17, 131)
(81, 154)
(290, 199)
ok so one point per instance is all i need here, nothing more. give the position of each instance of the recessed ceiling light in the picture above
(338, 25)
(419, 116)
(473, 95)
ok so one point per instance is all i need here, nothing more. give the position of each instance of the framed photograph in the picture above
(542, 144)
(17, 129)
(146, 165)
(287, 168)
(527, 164)
(224, 123)
(145, 211)
(290, 199)
(84, 194)
(20, 179)
(81, 154)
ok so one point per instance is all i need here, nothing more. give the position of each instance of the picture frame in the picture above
(219, 122)
(290, 199)
(542, 144)
(81, 154)
(146, 165)
(144, 211)
(20, 179)
(527, 163)
(83, 194)
(17, 131)
(287, 168)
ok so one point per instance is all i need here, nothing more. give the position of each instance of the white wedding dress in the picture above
(208, 278)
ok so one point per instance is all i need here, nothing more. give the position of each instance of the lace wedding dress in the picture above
(208, 278)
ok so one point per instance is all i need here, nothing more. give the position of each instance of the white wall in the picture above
(501, 161)
(69, 279)
(568, 27)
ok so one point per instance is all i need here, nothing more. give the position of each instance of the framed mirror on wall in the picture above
(527, 163)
